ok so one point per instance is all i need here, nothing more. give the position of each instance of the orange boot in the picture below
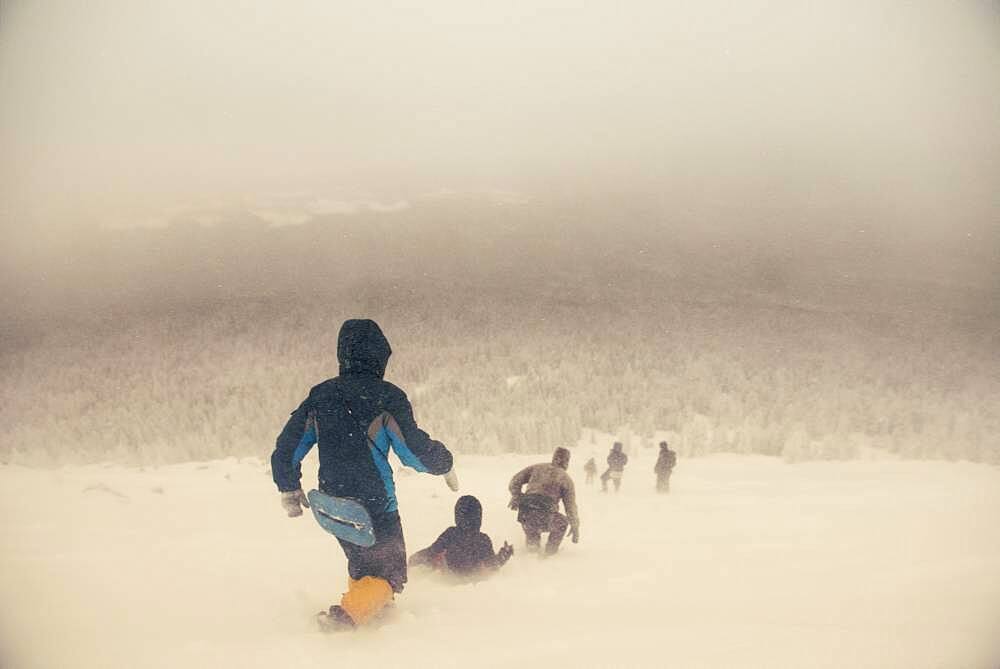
(365, 598)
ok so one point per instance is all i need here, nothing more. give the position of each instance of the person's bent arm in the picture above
(414, 447)
(569, 503)
(520, 479)
(428, 555)
(295, 440)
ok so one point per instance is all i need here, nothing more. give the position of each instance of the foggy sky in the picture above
(112, 111)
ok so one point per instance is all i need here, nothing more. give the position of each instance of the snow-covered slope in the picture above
(749, 562)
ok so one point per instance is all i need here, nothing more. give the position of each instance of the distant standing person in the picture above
(590, 469)
(616, 466)
(664, 467)
(537, 505)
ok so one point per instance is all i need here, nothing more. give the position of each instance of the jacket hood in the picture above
(362, 348)
(468, 513)
(560, 457)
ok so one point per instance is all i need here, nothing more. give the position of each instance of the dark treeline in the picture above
(581, 250)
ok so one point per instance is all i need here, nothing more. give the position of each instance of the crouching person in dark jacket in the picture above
(538, 504)
(463, 549)
(355, 419)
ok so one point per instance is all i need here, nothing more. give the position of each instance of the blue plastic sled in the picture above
(343, 518)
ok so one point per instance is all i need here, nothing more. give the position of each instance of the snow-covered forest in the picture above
(696, 344)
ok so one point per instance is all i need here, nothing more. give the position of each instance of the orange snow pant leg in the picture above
(365, 598)
(375, 571)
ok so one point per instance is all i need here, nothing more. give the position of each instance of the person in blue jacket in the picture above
(355, 419)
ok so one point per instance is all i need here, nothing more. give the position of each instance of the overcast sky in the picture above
(112, 110)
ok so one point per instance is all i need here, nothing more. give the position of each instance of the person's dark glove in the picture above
(293, 501)
(575, 534)
(515, 501)
(504, 554)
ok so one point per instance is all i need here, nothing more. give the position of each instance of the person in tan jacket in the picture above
(537, 505)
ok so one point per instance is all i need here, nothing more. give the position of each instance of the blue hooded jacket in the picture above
(356, 418)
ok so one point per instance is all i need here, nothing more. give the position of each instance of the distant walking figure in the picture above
(616, 466)
(664, 467)
(590, 469)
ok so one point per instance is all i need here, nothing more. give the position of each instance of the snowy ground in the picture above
(748, 563)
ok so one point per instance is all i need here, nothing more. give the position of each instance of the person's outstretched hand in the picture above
(451, 478)
(504, 553)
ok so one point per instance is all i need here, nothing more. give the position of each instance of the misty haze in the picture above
(766, 234)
